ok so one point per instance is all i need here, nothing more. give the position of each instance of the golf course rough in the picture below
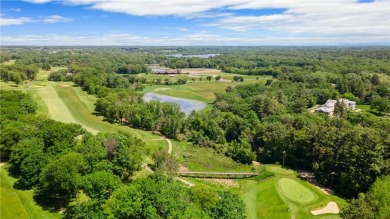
(295, 191)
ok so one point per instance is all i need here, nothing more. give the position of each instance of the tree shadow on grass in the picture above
(50, 203)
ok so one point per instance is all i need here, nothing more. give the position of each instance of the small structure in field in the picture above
(169, 72)
(328, 107)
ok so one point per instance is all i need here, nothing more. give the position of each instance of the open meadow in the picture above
(197, 86)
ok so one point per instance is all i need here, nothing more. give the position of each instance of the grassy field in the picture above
(17, 203)
(198, 90)
(206, 159)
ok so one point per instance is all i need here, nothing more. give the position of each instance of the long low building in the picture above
(165, 71)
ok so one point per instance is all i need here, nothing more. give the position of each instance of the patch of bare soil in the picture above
(183, 169)
(330, 208)
(255, 163)
(230, 183)
(185, 182)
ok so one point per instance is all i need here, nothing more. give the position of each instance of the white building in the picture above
(328, 107)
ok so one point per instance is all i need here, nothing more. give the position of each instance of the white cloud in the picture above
(16, 9)
(153, 7)
(333, 19)
(4, 21)
(195, 39)
(55, 19)
(315, 18)
(14, 21)
(38, 1)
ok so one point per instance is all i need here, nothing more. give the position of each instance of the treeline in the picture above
(89, 176)
(18, 72)
(278, 61)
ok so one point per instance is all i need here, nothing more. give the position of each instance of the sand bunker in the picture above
(330, 208)
(65, 85)
(38, 86)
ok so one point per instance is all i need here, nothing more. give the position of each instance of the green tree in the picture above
(60, 177)
(209, 77)
(375, 204)
(375, 80)
(17, 78)
(165, 162)
(99, 185)
(126, 202)
(229, 206)
(381, 104)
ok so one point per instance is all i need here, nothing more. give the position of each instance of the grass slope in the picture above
(19, 204)
(80, 105)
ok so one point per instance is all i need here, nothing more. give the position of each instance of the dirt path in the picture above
(169, 144)
(330, 208)
(309, 176)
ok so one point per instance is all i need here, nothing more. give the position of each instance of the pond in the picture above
(186, 105)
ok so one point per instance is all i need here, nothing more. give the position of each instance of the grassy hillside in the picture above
(18, 204)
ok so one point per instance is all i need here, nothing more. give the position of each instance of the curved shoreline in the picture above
(186, 105)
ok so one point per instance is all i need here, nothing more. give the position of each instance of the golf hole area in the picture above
(296, 192)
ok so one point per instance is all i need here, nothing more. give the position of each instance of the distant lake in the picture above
(186, 105)
(194, 56)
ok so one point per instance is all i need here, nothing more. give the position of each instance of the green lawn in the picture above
(18, 204)
(206, 159)
(367, 109)
(295, 191)
(199, 90)
(262, 199)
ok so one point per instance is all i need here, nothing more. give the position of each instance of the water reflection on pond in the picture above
(186, 105)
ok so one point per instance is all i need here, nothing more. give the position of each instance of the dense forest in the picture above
(267, 122)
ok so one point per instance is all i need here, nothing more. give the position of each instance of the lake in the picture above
(186, 105)
(194, 56)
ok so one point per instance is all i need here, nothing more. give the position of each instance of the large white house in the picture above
(328, 107)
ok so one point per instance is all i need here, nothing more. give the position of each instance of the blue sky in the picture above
(195, 22)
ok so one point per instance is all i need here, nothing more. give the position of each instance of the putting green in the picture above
(295, 191)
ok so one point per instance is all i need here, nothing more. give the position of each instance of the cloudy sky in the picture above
(195, 22)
